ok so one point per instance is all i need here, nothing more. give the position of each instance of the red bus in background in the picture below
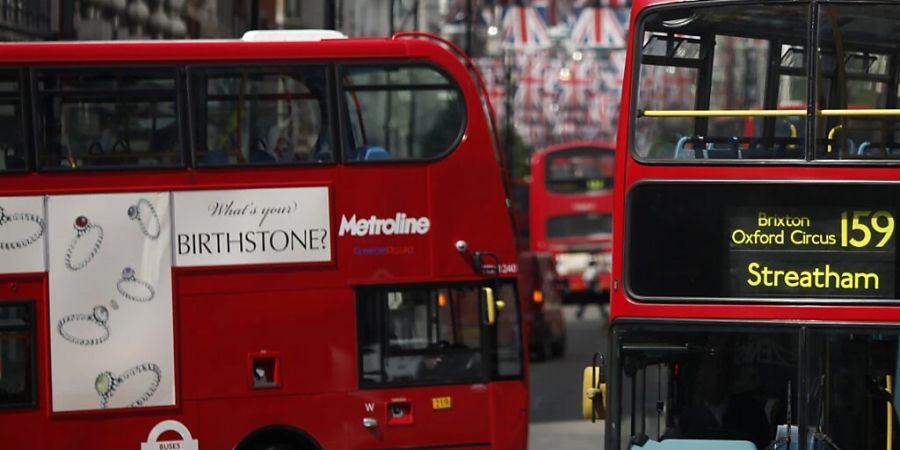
(253, 244)
(571, 215)
(756, 297)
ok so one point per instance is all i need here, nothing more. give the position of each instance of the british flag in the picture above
(524, 28)
(600, 28)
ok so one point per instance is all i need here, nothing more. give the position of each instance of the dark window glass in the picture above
(401, 113)
(858, 70)
(12, 142)
(713, 58)
(579, 225)
(737, 386)
(261, 115)
(507, 359)
(17, 380)
(106, 117)
(718, 387)
(437, 335)
(420, 335)
(580, 170)
(853, 386)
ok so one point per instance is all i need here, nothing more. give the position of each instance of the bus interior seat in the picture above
(216, 157)
(373, 153)
(694, 444)
(12, 160)
(259, 152)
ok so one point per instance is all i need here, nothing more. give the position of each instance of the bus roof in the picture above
(210, 50)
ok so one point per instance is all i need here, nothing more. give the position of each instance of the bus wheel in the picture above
(559, 347)
(544, 349)
(278, 437)
(280, 446)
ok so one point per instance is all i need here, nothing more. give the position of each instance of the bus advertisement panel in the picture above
(253, 244)
(754, 286)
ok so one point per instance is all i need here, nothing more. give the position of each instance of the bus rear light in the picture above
(400, 413)
(442, 298)
(538, 296)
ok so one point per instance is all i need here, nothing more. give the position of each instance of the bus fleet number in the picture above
(859, 227)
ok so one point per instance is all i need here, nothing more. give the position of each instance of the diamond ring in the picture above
(149, 224)
(99, 316)
(106, 383)
(83, 227)
(22, 217)
(129, 284)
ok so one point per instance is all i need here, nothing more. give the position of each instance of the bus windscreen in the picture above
(580, 170)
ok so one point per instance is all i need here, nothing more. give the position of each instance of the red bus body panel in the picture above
(303, 313)
(629, 171)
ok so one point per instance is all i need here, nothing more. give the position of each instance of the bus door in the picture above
(427, 356)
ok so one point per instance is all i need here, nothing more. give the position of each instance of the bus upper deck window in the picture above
(12, 146)
(261, 115)
(108, 117)
(703, 92)
(401, 112)
(857, 83)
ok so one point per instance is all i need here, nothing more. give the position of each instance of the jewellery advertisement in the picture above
(252, 226)
(88, 236)
(23, 230)
(145, 215)
(99, 316)
(134, 288)
(22, 241)
(107, 384)
(110, 286)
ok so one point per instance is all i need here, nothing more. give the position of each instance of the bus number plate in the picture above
(441, 403)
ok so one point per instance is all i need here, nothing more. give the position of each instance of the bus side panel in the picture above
(451, 416)
(510, 415)
(308, 336)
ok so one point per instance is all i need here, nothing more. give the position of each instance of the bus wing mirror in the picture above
(490, 305)
(593, 399)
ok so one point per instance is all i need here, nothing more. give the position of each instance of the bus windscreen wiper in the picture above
(822, 437)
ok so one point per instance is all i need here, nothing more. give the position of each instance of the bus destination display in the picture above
(828, 252)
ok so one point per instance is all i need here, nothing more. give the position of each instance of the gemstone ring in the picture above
(99, 316)
(149, 224)
(83, 227)
(22, 217)
(134, 288)
(106, 383)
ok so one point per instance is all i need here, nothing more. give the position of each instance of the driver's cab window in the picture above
(420, 335)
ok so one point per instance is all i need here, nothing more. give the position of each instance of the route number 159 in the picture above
(859, 227)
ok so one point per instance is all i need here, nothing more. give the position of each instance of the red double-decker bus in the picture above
(571, 215)
(254, 244)
(755, 291)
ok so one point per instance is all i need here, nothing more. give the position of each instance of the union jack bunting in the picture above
(555, 97)
(600, 28)
(578, 5)
(524, 28)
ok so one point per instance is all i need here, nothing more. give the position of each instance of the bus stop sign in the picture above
(186, 443)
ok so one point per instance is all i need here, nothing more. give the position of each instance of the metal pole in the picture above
(508, 111)
(254, 15)
(391, 19)
(330, 19)
(469, 17)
